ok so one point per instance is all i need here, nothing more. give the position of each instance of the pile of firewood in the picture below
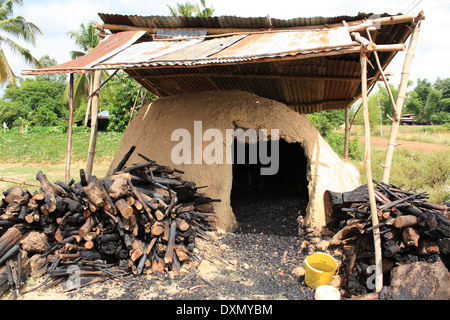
(141, 218)
(411, 228)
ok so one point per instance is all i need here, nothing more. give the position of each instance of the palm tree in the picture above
(21, 29)
(206, 12)
(190, 10)
(86, 38)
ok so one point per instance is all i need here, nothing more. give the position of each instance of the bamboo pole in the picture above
(69, 131)
(94, 126)
(399, 105)
(368, 167)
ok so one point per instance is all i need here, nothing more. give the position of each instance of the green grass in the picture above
(424, 172)
(23, 155)
(51, 148)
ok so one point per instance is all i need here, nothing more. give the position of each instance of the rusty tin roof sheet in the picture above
(110, 46)
(229, 49)
(308, 69)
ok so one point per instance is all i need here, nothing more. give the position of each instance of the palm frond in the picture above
(6, 73)
(86, 37)
(21, 51)
(76, 54)
(79, 90)
(173, 11)
(6, 10)
(20, 28)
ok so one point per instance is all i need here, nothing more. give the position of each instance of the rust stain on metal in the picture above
(105, 49)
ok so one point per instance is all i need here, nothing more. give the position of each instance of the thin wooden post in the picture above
(368, 167)
(69, 131)
(94, 126)
(347, 132)
(90, 76)
(399, 105)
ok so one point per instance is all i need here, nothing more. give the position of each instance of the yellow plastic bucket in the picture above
(320, 269)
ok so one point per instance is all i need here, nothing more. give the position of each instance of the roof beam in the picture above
(258, 76)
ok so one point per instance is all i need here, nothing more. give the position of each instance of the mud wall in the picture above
(151, 133)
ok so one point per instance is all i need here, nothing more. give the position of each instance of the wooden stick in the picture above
(90, 78)
(20, 181)
(373, 204)
(383, 75)
(124, 160)
(94, 126)
(101, 86)
(170, 244)
(69, 131)
(347, 132)
(399, 105)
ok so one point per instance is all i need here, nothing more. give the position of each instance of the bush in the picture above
(336, 140)
(422, 171)
(327, 121)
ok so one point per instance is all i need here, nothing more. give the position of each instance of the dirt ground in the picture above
(256, 262)
(412, 145)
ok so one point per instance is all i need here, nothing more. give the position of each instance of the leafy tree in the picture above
(327, 121)
(424, 101)
(443, 85)
(36, 100)
(46, 61)
(19, 28)
(120, 102)
(443, 107)
(385, 103)
(189, 9)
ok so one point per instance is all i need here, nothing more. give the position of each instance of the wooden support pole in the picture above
(368, 166)
(347, 131)
(90, 76)
(69, 132)
(94, 126)
(399, 105)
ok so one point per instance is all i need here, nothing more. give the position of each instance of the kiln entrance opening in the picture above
(270, 204)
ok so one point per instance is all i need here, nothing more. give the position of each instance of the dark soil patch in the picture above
(260, 254)
(255, 262)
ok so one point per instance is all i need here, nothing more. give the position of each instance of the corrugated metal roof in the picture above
(164, 22)
(230, 49)
(310, 69)
(110, 46)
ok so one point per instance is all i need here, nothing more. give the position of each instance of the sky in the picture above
(56, 17)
